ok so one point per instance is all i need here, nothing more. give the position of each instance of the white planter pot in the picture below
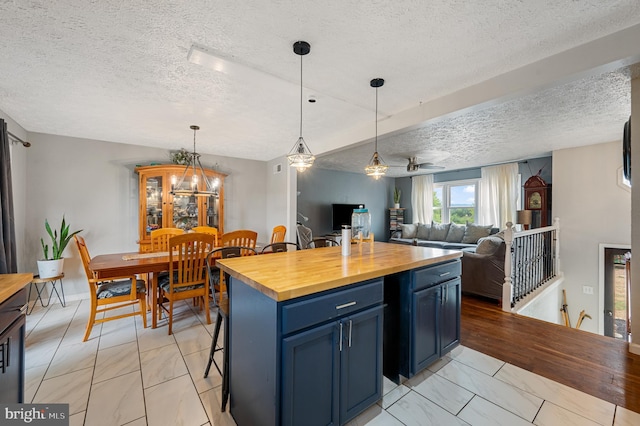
(50, 268)
(396, 206)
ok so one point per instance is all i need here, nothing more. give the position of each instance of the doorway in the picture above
(614, 285)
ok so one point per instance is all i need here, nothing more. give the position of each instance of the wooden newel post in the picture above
(507, 288)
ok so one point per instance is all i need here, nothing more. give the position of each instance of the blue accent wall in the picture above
(319, 189)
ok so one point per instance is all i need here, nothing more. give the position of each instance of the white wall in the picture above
(93, 184)
(593, 209)
(281, 202)
(545, 307)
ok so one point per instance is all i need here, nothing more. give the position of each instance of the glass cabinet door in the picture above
(212, 205)
(153, 203)
(185, 211)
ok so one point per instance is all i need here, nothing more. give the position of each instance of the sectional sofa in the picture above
(443, 235)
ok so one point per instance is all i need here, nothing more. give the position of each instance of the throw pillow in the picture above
(439, 231)
(488, 245)
(424, 231)
(499, 234)
(409, 230)
(474, 232)
(456, 233)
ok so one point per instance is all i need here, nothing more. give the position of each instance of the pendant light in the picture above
(193, 171)
(300, 155)
(376, 167)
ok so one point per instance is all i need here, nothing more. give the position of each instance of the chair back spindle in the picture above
(160, 238)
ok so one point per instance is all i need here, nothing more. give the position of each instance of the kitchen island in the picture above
(306, 327)
(13, 308)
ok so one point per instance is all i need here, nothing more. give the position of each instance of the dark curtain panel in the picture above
(8, 264)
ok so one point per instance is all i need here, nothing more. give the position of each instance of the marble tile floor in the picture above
(128, 375)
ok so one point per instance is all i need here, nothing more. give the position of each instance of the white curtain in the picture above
(422, 198)
(499, 193)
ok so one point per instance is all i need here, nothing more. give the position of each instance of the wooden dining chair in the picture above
(278, 234)
(207, 230)
(113, 293)
(322, 242)
(240, 238)
(221, 302)
(187, 272)
(160, 238)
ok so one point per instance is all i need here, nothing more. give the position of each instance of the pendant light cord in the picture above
(193, 160)
(301, 96)
(376, 150)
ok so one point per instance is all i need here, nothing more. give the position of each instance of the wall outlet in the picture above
(587, 289)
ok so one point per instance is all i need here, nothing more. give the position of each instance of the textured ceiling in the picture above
(117, 70)
(583, 112)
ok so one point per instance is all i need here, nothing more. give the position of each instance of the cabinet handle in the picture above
(345, 305)
(2, 362)
(8, 351)
(444, 274)
(350, 327)
(340, 340)
(24, 308)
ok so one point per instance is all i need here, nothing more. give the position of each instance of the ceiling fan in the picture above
(414, 165)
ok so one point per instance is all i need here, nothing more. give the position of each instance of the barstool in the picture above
(53, 280)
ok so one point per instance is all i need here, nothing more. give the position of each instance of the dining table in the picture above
(114, 265)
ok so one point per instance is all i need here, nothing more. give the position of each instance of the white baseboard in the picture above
(634, 348)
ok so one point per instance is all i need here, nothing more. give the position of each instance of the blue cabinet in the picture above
(425, 345)
(450, 316)
(311, 377)
(12, 361)
(422, 318)
(435, 324)
(311, 360)
(332, 372)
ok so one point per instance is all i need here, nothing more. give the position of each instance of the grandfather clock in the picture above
(537, 198)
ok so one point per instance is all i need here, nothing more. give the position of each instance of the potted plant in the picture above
(51, 266)
(181, 157)
(396, 197)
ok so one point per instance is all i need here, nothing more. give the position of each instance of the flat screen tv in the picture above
(341, 214)
(626, 150)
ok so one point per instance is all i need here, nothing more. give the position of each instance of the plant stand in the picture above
(53, 280)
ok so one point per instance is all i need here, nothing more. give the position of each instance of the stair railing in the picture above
(531, 261)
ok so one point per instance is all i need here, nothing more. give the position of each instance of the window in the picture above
(455, 202)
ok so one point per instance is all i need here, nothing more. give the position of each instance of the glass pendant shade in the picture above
(376, 167)
(300, 155)
(187, 184)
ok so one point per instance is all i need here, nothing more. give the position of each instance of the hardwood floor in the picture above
(597, 365)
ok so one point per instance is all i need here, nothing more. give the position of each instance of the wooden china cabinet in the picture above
(160, 209)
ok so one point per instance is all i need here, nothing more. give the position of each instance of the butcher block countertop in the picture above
(10, 284)
(284, 276)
